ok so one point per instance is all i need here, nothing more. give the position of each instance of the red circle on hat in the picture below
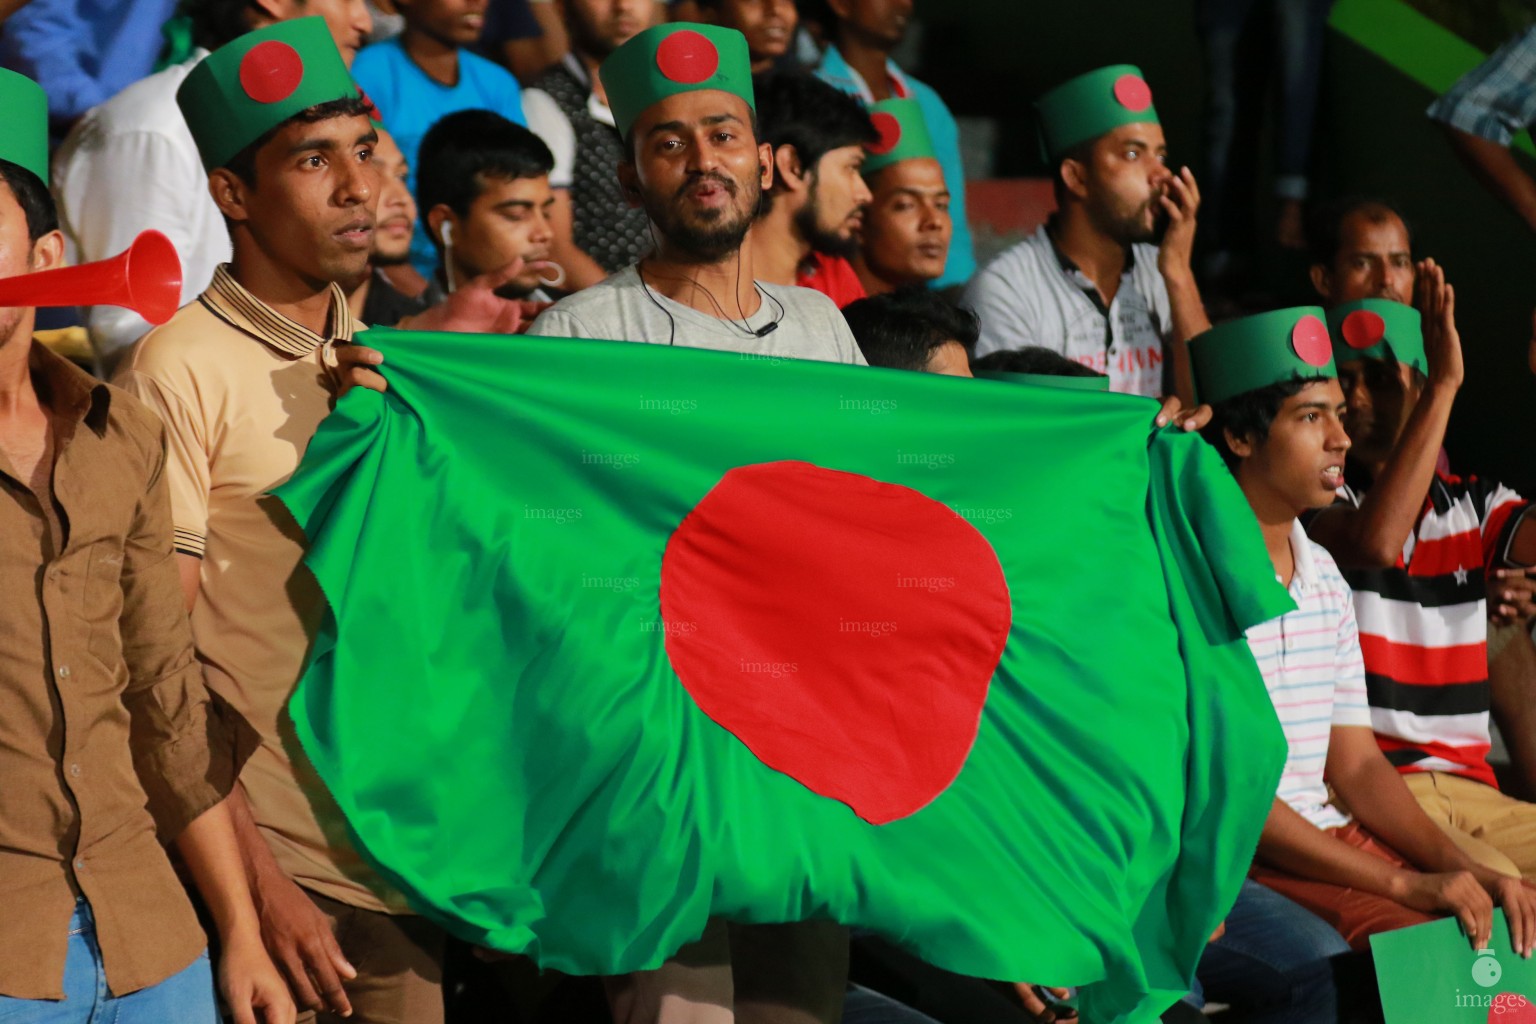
(845, 629)
(1362, 329)
(890, 133)
(687, 57)
(1133, 93)
(1310, 340)
(271, 71)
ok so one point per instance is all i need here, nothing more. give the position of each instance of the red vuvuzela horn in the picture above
(146, 278)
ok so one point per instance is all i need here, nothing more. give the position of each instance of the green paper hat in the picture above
(25, 139)
(1256, 351)
(667, 60)
(1097, 382)
(903, 135)
(1378, 329)
(1089, 105)
(250, 86)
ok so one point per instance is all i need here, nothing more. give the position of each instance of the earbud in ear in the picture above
(447, 232)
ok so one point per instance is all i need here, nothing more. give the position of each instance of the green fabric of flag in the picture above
(506, 715)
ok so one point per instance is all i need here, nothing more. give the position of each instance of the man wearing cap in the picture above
(110, 746)
(682, 100)
(130, 163)
(907, 228)
(810, 217)
(1088, 283)
(1382, 864)
(858, 61)
(240, 378)
(1416, 544)
(684, 104)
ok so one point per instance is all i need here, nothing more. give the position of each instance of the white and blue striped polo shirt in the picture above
(1310, 659)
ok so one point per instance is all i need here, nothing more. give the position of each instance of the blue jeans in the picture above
(185, 998)
(864, 1006)
(1275, 962)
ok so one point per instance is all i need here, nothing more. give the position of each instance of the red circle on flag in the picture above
(687, 57)
(890, 133)
(1309, 339)
(1133, 93)
(845, 629)
(1363, 328)
(271, 71)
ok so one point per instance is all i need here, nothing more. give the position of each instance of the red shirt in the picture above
(833, 276)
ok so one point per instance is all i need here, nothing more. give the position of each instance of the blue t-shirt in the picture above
(412, 102)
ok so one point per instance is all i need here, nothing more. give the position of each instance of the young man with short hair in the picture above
(111, 748)
(376, 301)
(141, 131)
(1088, 283)
(484, 187)
(597, 230)
(858, 61)
(1278, 422)
(430, 70)
(810, 217)
(914, 329)
(907, 226)
(241, 379)
(1419, 545)
(769, 26)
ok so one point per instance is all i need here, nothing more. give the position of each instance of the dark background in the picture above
(991, 57)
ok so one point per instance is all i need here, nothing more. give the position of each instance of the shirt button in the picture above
(79, 863)
(74, 770)
(63, 671)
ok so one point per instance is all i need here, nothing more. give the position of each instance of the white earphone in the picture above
(447, 232)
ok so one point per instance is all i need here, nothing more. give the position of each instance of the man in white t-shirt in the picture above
(1089, 284)
(1345, 837)
(130, 164)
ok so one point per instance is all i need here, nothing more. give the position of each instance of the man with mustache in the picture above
(241, 378)
(597, 230)
(858, 61)
(376, 301)
(907, 228)
(1088, 284)
(102, 208)
(808, 227)
(682, 98)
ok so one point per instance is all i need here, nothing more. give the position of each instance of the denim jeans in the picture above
(185, 997)
(864, 1006)
(1275, 962)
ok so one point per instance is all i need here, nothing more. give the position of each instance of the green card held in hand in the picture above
(1431, 975)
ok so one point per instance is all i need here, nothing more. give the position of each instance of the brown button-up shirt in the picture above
(106, 731)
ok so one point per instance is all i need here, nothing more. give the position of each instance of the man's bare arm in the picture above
(1496, 167)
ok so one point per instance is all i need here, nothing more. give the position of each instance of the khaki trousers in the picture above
(399, 961)
(1495, 830)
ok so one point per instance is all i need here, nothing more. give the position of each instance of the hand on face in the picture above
(1180, 202)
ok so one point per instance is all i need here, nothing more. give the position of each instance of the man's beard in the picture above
(723, 231)
(1129, 228)
(828, 243)
(390, 259)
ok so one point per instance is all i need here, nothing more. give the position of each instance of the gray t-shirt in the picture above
(620, 308)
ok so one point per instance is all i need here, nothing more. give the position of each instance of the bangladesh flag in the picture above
(624, 636)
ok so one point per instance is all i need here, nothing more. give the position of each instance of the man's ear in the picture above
(438, 216)
(786, 165)
(765, 165)
(1322, 279)
(841, 9)
(1074, 175)
(230, 193)
(629, 181)
(48, 251)
(1242, 447)
(267, 12)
